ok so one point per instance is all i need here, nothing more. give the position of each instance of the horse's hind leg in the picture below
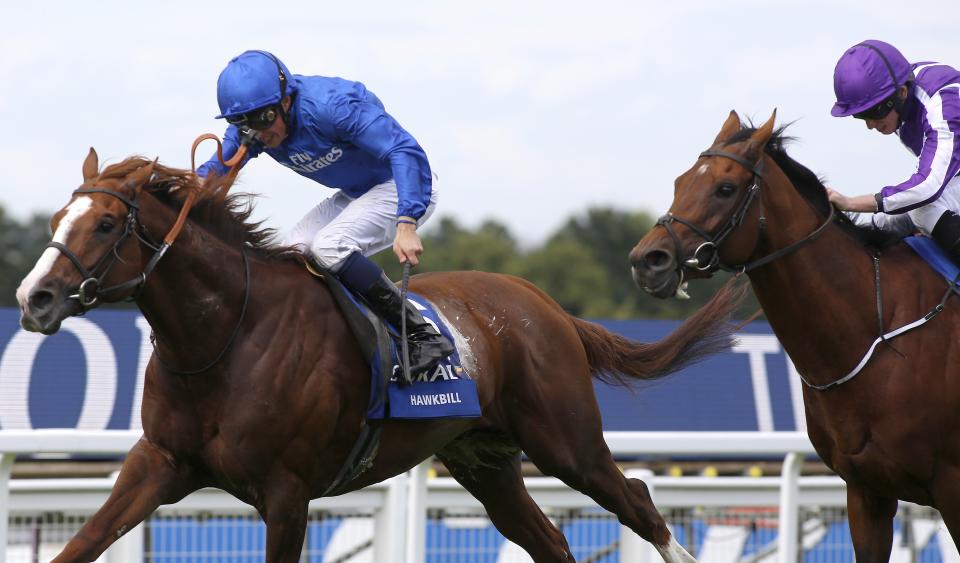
(498, 484)
(563, 437)
(594, 473)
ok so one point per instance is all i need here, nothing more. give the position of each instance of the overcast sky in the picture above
(529, 111)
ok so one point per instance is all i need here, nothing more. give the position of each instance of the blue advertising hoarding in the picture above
(90, 376)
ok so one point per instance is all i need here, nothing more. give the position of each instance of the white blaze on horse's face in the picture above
(76, 209)
(702, 170)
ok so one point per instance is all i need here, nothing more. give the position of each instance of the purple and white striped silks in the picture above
(931, 130)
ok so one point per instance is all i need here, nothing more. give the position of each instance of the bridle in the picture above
(91, 289)
(706, 257)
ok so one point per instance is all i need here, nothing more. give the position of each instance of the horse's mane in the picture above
(811, 187)
(223, 214)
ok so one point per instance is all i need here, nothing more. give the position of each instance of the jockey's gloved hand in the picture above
(248, 138)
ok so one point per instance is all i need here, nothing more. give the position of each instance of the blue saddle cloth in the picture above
(929, 250)
(447, 392)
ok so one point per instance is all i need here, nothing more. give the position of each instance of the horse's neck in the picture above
(819, 299)
(193, 298)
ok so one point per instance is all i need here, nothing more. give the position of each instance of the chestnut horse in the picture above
(890, 430)
(281, 388)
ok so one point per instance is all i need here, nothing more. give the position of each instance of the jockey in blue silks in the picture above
(337, 133)
(920, 103)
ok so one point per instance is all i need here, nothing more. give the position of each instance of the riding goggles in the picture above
(880, 110)
(258, 119)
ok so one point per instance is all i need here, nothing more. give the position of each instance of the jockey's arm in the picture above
(938, 161)
(860, 203)
(370, 128)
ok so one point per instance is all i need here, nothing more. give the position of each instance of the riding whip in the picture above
(405, 351)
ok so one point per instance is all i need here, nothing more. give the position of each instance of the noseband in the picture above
(706, 258)
(90, 290)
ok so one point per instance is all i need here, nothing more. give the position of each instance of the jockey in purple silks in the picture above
(337, 133)
(919, 103)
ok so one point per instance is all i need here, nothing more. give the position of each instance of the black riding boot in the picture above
(427, 346)
(947, 234)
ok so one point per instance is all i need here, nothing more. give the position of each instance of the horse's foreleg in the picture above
(149, 477)
(871, 524)
(285, 513)
(946, 499)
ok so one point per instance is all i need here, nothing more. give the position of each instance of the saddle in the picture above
(446, 392)
(934, 255)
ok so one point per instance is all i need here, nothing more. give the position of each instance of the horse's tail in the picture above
(617, 360)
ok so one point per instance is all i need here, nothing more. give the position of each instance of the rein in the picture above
(233, 335)
(234, 164)
(711, 262)
(884, 338)
(90, 290)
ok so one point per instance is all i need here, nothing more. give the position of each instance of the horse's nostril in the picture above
(40, 299)
(658, 259)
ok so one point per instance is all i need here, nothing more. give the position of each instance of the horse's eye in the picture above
(105, 226)
(726, 190)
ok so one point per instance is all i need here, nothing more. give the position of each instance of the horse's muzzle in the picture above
(45, 309)
(655, 271)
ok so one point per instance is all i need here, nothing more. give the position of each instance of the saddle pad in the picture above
(446, 392)
(929, 250)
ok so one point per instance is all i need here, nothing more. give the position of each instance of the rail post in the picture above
(789, 523)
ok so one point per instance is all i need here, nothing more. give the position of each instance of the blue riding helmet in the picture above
(867, 74)
(252, 80)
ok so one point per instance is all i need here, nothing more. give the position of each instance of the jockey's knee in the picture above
(332, 258)
(947, 233)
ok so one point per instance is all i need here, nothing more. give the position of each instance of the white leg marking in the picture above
(673, 552)
(43, 266)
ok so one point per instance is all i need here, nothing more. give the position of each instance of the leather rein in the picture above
(706, 257)
(90, 291)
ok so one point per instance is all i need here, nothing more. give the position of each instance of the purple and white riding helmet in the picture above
(867, 74)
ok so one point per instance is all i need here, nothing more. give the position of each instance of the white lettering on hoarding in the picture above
(756, 346)
(100, 391)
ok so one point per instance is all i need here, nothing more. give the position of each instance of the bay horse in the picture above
(892, 429)
(279, 388)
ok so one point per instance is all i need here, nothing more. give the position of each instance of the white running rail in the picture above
(400, 504)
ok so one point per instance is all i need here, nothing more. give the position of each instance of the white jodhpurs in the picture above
(340, 225)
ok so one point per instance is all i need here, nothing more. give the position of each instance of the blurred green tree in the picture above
(21, 244)
(583, 265)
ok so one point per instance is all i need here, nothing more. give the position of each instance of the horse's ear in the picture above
(140, 176)
(760, 137)
(91, 165)
(730, 126)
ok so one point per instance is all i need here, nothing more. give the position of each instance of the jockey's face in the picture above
(886, 125)
(273, 135)
(891, 121)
